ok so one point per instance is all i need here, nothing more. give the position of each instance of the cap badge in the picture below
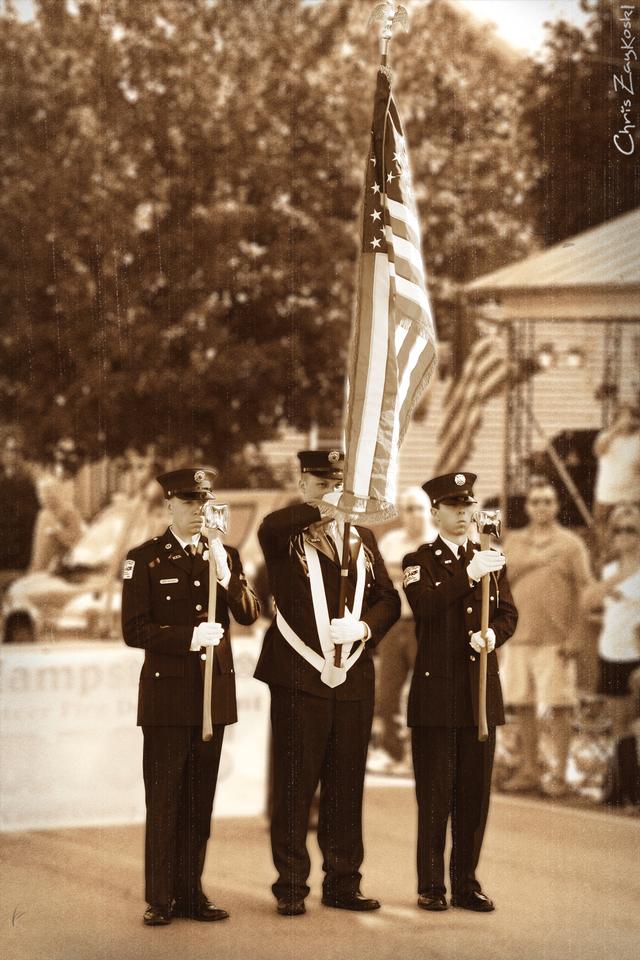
(460, 479)
(199, 476)
(334, 456)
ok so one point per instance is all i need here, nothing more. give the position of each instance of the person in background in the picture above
(617, 596)
(19, 511)
(623, 787)
(137, 475)
(618, 452)
(398, 652)
(58, 527)
(548, 571)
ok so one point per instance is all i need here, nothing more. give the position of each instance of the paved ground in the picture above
(566, 884)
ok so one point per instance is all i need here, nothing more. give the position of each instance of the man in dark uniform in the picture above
(320, 715)
(442, 581)
(164, 611)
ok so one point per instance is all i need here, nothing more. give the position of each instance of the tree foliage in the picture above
(573, 112)
(180, 194)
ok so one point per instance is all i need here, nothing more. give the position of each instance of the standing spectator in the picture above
(618, 451)
(58, 526)
(138, 474)
(618, 597)
(548, 571)
(19, 510)
(398, 652)
(624, 776)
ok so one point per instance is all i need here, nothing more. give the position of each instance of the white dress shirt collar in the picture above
(454, 547)
(183, 543)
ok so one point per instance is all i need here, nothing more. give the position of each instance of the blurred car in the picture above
(81, 600)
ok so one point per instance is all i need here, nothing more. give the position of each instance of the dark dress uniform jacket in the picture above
(279, 664)
(165, 595)
(444, 688)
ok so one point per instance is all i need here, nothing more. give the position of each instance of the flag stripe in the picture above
(411, 297)
(405, 253)
(484, 374)
(376, 360)
(408, 380)
(423, 369)
(403, 219)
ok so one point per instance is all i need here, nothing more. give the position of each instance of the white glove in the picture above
(223, 570)
(347, 629)
(207, 635)
(485, 561)
(477, 642)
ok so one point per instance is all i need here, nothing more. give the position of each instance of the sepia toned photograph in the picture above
(320, 473)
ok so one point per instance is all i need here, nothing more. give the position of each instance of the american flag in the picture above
(393, 346)
(483, 376)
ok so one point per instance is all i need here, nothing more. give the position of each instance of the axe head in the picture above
(216, 516)
(489, 522)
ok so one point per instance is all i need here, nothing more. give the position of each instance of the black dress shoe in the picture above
(156, 917)
(432, 901)
(473, 901)
(203, 911)
(290, 908)
(352, 901)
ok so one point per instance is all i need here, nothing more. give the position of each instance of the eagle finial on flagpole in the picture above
(391, 15)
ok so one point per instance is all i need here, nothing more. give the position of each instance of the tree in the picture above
(181, 185)
(574, 111)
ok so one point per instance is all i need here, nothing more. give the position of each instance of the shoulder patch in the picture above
(411, 575)
(127, 571)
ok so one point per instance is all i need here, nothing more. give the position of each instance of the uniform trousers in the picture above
(453, 779)
(317, 739)
(180, 773)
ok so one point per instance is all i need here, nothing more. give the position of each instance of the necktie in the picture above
(462, 557)
(191, 550)
(333, 547)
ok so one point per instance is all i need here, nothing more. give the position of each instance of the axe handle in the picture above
(207, 723)
(483, 729)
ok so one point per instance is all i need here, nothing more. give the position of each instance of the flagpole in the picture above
(391, 15)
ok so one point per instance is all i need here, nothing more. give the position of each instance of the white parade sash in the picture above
(330, 675)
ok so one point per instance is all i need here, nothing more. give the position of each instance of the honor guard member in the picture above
(164, 611)
(320, 715)
(442, 582)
